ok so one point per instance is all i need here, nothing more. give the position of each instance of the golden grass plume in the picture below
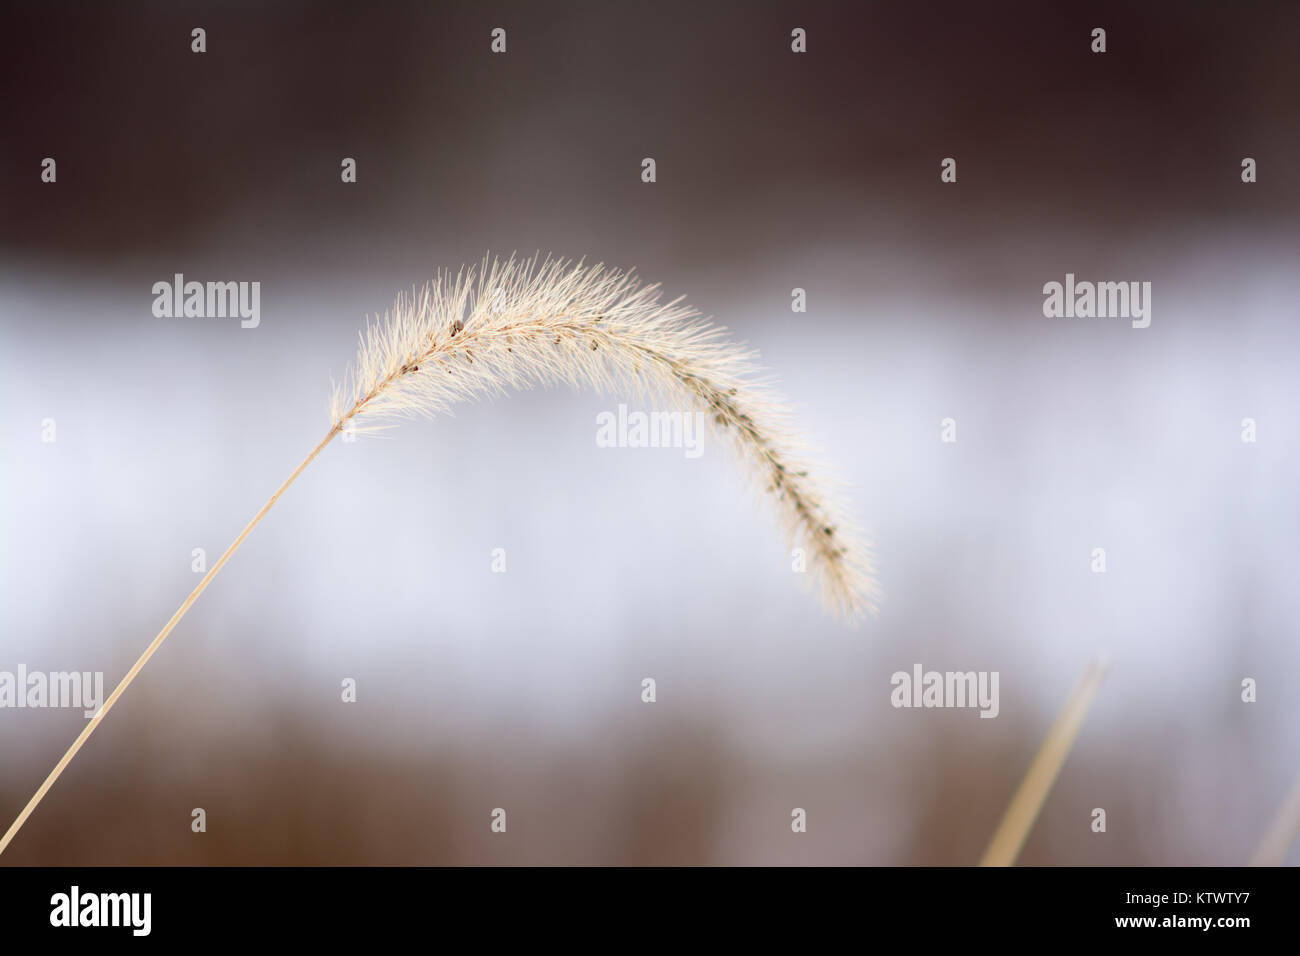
(519, 323)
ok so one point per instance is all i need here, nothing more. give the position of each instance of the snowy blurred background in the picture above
(522, 690)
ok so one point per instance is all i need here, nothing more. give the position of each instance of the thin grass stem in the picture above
(156, 643)
(1022, 812)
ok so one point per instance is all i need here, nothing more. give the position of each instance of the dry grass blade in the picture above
(522, 323)
(1025, 806)
(1276, 843)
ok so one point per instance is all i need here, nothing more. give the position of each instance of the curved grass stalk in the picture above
(522, 323)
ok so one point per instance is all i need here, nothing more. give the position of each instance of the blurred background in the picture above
(775, 170)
